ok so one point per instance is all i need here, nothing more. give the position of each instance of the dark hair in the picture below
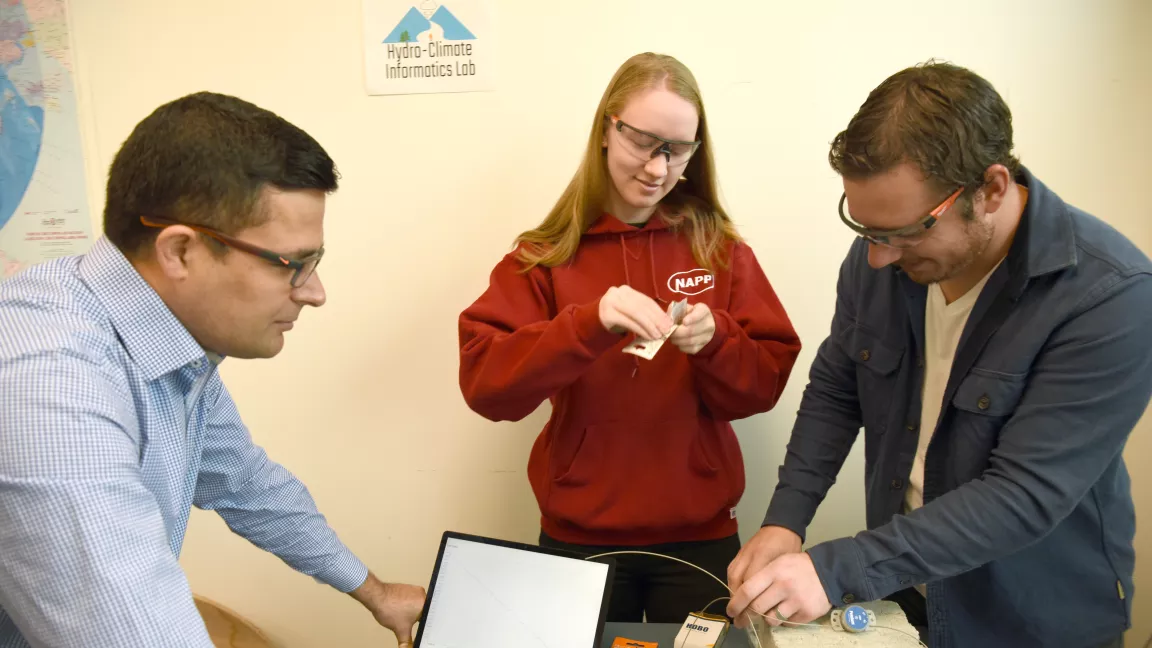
(204, 159)
(944, 119)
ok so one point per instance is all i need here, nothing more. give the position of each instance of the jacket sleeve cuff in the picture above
(724, 327)
(345, 573)
(841, 570)
(790, 510)
(589, 330)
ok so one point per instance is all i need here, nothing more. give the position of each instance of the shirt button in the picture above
(984, 402)
(865, 355)
(897, 484)
(848, 598)
(920, 361)
(911, 427)
(196, 364)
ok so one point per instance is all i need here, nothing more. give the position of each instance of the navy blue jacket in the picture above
(1025, 538)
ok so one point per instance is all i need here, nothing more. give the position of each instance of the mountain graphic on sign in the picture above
(414, 23)
(453, 28)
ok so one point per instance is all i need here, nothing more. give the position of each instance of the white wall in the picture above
(364, 404)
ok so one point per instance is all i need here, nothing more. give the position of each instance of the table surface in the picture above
(888, 615)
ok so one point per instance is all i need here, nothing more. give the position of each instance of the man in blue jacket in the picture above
(995, 343)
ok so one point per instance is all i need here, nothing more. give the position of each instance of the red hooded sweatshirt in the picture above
(636, 452)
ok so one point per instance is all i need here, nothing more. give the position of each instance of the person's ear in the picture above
(173, 250)
(998, 181)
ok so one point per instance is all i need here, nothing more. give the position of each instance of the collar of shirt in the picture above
(1046, 241)
(155, 339)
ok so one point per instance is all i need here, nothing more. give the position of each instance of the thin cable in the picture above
(750, 611)
(685, 642)
(715, 601)
(905, 633)
(705, 611)
(683, 562)
(755, 634)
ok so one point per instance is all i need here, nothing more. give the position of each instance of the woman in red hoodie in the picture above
(638, 454)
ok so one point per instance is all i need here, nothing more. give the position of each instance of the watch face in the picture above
(856, 618)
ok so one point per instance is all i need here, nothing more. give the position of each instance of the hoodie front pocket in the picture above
(645, 476)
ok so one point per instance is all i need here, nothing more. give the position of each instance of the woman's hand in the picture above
(624, 309)
(695, 330)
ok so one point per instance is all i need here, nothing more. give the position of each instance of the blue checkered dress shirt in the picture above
(114, 422)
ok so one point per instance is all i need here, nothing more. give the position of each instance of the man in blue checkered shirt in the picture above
(114, 421)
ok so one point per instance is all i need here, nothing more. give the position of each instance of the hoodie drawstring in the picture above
(628, 282)
(624, 256)
(651, 265)
(652, 262)
(628, 278)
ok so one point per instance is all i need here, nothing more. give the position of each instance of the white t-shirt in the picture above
(943, 326)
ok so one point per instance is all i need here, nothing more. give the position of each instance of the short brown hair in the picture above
(205, 159)
(946, 120)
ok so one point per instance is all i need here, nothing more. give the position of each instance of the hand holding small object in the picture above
(695, 330)
(647, 347)
(769, 543)
(788, 589)
(623, 309)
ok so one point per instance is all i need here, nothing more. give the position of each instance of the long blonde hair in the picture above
(693, 204)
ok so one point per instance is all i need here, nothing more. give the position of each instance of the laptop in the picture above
(490, 593)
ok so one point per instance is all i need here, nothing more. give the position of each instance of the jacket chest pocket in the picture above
(982, 404)
(876, 362)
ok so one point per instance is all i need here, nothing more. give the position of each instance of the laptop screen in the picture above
(488, 593)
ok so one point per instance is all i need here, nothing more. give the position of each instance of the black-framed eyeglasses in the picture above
(302, 268)
(904, 237)
(645, 145)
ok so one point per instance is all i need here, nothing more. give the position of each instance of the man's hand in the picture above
(767, 545)
(625, 309)
(396, 606)
(788, 589)
(695, 330)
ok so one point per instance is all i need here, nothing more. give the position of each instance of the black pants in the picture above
(915, 607)
(660, 590)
